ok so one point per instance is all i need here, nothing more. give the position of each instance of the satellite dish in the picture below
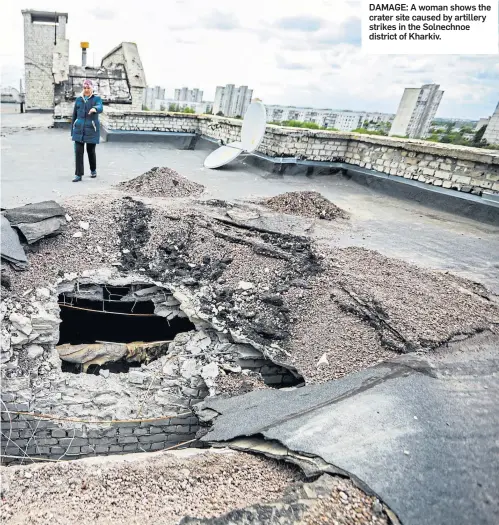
(254, 123)
(252, 133)
(221, 157)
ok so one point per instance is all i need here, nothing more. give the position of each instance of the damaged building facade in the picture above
(52, 83)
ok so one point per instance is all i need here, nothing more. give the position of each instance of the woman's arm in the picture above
(74, 117)
(98, 105)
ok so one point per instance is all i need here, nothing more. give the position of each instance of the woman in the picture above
(85, 129)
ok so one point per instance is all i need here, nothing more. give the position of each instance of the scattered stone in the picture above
(104, 372)
(77, 234)
(137, 378)
(105, 400)
(21, 322)
(34, 351)
(42, 294)
(244, 285)
(83, 225)
(323, 360)
(5, 280)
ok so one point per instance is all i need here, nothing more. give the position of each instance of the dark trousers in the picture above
(79, 153)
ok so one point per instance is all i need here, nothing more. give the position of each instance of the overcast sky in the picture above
(304, 53)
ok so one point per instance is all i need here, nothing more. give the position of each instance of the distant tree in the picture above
(449, 127)
(369, 132)
(220, 114)
(478, 138)
(145, 108)
(172, 107)
(188, 110)
(299, 124)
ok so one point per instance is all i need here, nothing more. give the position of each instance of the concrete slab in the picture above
(37, 164)
(419, 431)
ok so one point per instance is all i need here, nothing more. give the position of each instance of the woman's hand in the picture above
(93, 110)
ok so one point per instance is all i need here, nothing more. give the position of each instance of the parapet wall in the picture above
(469, 170)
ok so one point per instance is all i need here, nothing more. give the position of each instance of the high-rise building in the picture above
(416, 111)
(232, 101)
(481, 123)
(342, 120)
(491, 134)
(188, 95)
(152, 94)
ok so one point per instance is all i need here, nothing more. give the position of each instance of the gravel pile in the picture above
(162, 182)
(347, 505)
(305, 203)
(155, 488)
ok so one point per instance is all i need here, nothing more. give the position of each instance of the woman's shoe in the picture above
(77, 178)
(93, 174)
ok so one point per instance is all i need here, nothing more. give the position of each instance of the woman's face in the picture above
(87, 91)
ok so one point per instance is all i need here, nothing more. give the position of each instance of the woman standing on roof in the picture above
(85, 129)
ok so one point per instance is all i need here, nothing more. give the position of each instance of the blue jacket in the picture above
(85, 127)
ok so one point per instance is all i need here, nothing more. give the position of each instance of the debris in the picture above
(104, 373)
(34, 351)
(42, 293)
(11, 248)
(21, 322)
(244, 285)
(162, 182)
(34, 212)
(323, 360)
(77, 234)
(37, 221)
(83, 225)
(137, 378)
(305, 203)
(5, 279)
(68, 218)
(163, 487)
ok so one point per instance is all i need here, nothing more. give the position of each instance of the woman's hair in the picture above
(88, 83)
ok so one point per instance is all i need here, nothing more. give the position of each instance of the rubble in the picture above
(11, 248)
(305, 203)
(160, 488)
(265, 308)
(162, 182)
(37, 221)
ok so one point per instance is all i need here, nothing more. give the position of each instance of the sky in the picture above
(302, 53)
